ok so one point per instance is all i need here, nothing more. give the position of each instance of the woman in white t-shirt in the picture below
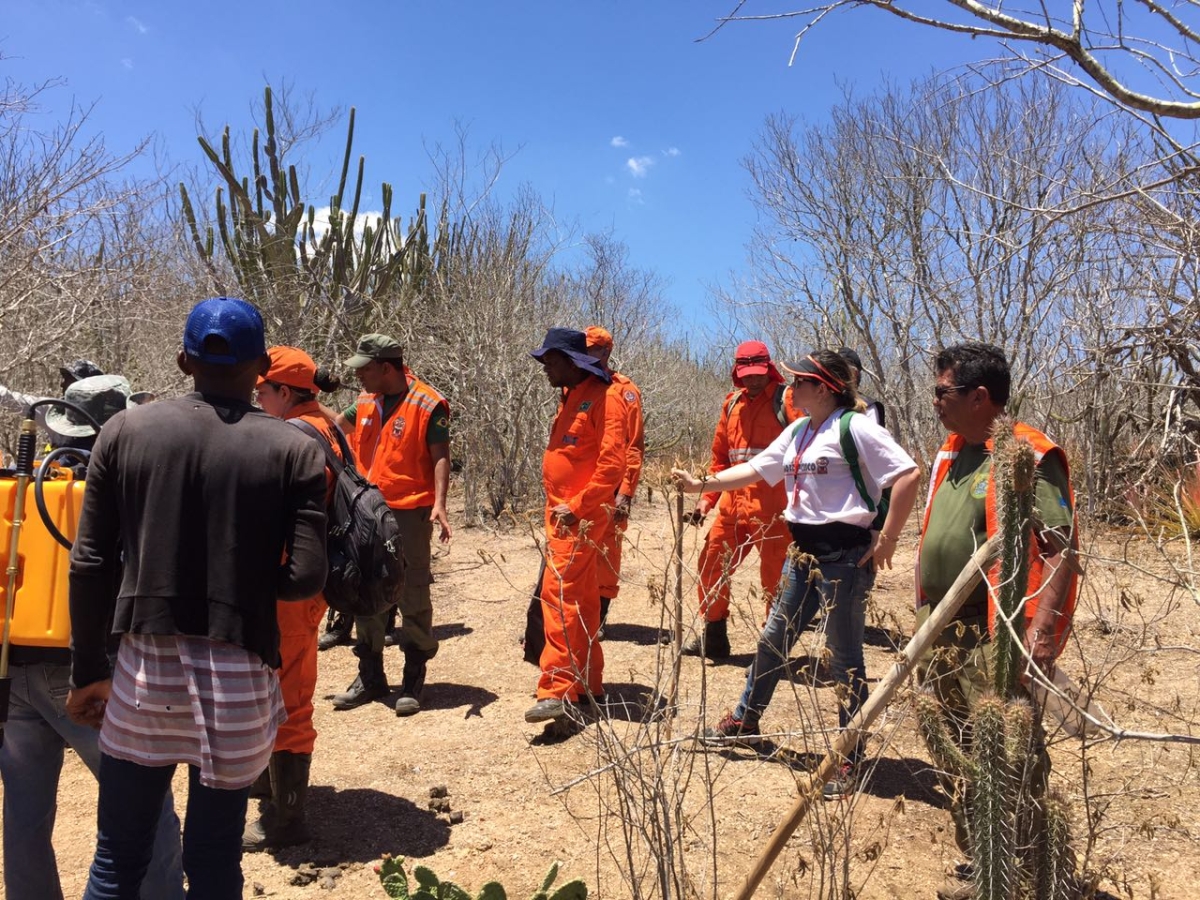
(836, 542)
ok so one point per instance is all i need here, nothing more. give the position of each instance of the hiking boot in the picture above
(331, 639)
(843, 784)
(546, 710)
(410, 689)
(283, 823)
(729, 730)
(371, 683)
(337, 632)
(713, 644)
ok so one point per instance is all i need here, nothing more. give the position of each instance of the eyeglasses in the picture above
(752, 361)
(941, 390)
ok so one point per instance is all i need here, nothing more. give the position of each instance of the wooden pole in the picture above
(942, 615)
(677, 643)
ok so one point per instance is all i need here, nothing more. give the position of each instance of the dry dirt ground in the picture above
(633, 791)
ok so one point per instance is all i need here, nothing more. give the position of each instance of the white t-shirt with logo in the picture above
(821, 488)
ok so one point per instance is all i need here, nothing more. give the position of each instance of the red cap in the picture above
(599, 337)
(752, 358)
(293, 367)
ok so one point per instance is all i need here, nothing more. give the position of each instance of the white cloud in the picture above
(672, 151)
(619, 141)
(639, 166)
(127, 62)
(136, 24)
(321, 220)
(635, 196)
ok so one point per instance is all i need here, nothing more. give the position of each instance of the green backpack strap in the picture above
(850, 454)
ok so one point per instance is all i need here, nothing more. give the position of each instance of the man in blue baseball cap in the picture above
(202, 496)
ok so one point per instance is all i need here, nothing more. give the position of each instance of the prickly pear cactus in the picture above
(429, 887)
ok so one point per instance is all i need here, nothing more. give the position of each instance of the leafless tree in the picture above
(1143, 56)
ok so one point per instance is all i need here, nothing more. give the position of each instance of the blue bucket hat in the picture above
(573, 344)
(237, 322)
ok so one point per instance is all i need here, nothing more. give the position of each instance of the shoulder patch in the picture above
(585, 405)
(630, 396)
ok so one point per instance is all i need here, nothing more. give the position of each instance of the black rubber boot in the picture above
(414, 682)
(371, 683)
(605, 603)
(713, 644)
(283, 823)
(261, 789)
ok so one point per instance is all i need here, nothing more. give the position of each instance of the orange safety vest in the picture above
(1042, 445)
(585, 459)
(746, 428)
(625, 393)
(395, 455)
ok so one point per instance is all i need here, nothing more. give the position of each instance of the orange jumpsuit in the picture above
(299, 624)
(747, 518)
(582, 467)
(622, 392)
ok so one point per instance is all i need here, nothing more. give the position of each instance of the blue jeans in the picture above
(212, 832)
(834, 584)
(31, 759)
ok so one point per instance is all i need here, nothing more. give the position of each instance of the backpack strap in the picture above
(850, 454)
(733, 398)
(780, 404)
(330, 457)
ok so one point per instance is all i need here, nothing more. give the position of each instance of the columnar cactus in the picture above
(292, 271)
(1020, 836)
(1013, 472)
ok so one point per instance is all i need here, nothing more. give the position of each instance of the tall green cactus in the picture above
(328, 279)
(1020, 837)
(1013, 470)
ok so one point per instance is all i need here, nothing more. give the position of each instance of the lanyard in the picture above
(801, 449)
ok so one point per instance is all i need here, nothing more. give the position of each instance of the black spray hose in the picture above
(84, 455)
(38, 491)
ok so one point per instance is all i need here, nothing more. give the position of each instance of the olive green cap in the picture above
(372, 347)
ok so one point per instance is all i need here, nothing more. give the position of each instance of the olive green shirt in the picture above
(958, 521)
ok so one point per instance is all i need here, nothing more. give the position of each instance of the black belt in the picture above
(829, 536)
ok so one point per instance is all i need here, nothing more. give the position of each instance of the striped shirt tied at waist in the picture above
(180, 698)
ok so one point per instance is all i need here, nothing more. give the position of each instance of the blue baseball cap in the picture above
(235, 321)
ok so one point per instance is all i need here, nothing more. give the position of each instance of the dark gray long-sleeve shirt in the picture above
(215, 509)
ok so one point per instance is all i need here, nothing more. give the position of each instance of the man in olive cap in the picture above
(401, 430)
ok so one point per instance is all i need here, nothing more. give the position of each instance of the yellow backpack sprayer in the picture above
(36, 610)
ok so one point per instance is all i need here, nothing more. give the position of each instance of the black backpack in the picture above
(366, 567)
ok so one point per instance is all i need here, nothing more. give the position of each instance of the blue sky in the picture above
(623, 121)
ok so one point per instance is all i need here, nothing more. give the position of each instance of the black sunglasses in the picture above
(941, 390)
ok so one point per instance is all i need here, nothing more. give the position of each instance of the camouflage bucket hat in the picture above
(102, 397)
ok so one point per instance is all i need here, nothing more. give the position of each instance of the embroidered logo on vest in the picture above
(398, 426)
(980, 487)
